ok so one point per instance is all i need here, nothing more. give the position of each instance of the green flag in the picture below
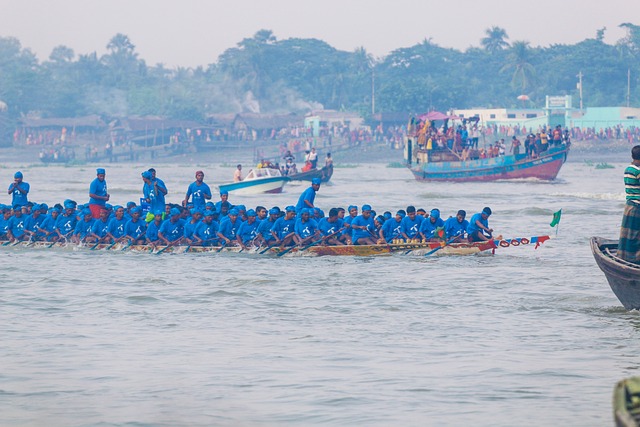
(556, 218)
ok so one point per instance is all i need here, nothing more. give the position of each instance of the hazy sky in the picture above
(195, 32)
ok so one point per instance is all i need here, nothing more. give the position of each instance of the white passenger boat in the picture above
(258, 181)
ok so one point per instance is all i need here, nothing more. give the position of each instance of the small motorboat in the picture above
(258, 181)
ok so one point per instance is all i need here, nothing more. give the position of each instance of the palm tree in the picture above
(495, 39)
(518, 62)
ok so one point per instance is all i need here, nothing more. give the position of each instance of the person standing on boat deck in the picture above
(479, 225)
(98, 196)
(362, 228)
(308, 196)
(237, 175)
(411, 224)
(515, 146)
(198, 191)
(313, 158)
(153, 191)
(456, 227)
(162, 188)
(19, 190)
(629, 243)
(328, 161)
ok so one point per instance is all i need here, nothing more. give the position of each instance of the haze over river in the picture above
(524, 337)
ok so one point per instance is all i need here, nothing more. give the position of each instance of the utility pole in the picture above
(580, 87)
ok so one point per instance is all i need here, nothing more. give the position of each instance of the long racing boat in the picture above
(416, 249)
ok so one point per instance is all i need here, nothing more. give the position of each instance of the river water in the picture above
(523, 337)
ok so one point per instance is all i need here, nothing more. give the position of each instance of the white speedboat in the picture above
(258, 181)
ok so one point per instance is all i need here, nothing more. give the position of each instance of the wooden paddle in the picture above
(171, 244)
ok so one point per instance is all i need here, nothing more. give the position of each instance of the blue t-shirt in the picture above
(32, 223)
(172, 230)
(100, 228)
(135, 228)
(264, 229)
(473, 227)
(116, 227)
(228, 228)
(305, 229)
(197, 194)
(207, 231)
(190, 228)
(309, 195)
(327, 227)
(66, 223)
(99, 188)
(4, 226)
(48, 224)
(282, 227)
(83, 228)
(248, 232)
(17, 225)
(411, 227)
(428, 228)
(453, 228)
(392, 229)
(17, 198)
(157, 198)
(152, 231)
(361, 221)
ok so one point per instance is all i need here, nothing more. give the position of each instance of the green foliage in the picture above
(264, 74)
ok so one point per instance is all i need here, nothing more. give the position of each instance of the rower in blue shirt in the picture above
(83, 227)
(16, 225)
(116, 225)
(430, 225)
(153, 228)
(308, 196)
(34, 221)
(392, 228)
(191, 226)
(18, 190)
(284, 228)
(411, 224)
(100, 229)
(67, 220)
(135, 228)
(456, 227)
(331, 228)
(48, 227)
(248, 230)
(4, 222)
(229, 226)
(172, 229)
(206, 233)
(306, 228)
(479, 225)
(264, 236)
(362, 228)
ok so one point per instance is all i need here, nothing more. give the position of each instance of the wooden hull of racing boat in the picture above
(623, 276)
(416, 249)
(545, 167)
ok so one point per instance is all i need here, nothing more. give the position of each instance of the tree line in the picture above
(267, 75)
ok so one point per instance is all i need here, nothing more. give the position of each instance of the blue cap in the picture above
(56, 210)
(290, 209)
(273, 211)
(69, 204)
(224, 193)
(210, 204)
(195, 211)
(86, 211)
(44, 206)
(366, 208)
(241, 208)
(131, 204)
(35, 207)
(251, 212)
(233, 211)
(305, 211)
(352, 207)
(137, 209)
(174, 211)
(435, 213)
(18, 175)
(116, 207)
(209, 213)
(147, 175)
(158, 212)
(100, 170)
(486, 211)
(316, 181)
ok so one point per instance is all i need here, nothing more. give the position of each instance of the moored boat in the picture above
(258, 181)
(623, 276)
(626, 402)
(324, 174)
